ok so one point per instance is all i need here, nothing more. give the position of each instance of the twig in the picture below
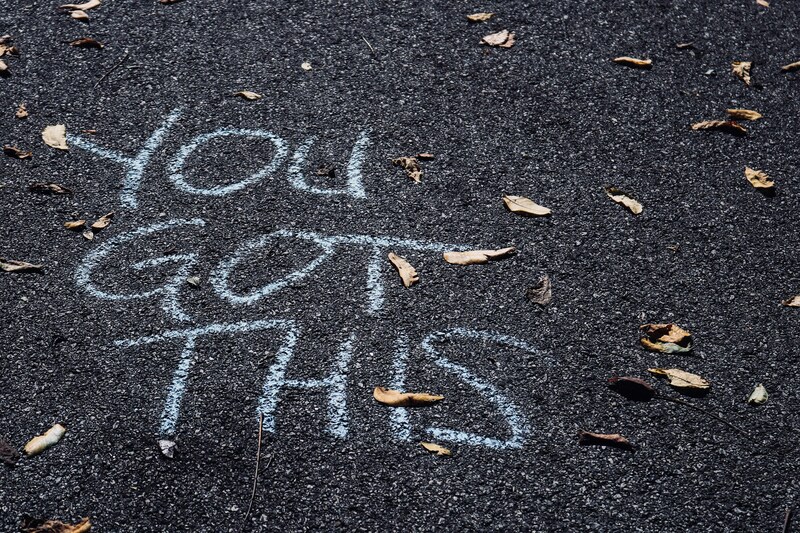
(370, 46)
(787, 522)
(258, 459)
(687, 404)
(115, 67)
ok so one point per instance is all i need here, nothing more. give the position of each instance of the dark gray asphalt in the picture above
(551, 118)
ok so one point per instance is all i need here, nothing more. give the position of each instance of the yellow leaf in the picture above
(729, 126)
(438, 450)
(248, 95)
(791, 67)
(744, 114)
(91, 4)
(623, 199)
(476, 257)
(479, 17)
(503, 39)
(758, 178)
(396, 398)
(525, 206)
(666, 338)
(681, 379)
(74, 224)
(742, 70)
(407, 272)
(633, 62)
(42, 442)
(792, 302)
(55, 136)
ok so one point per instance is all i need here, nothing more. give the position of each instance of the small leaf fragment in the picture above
(758, 178)
(48, 188)
(479, 17)
(3, 67)
(411, 166)
(759, 395)
(74, 224)
(622, 198)
(665, 338)
(435, 448)
(91, 4)
(55, 137)
(8, 454)
(22, 112)
(792, 302)
(587, 438)
(13, 151)
(88, 234)
(541, 293)
(248, 95)
(39, 444)
(633, 62)
(744, 114)
(83, 16)
(396, 398)
(103, 221)
(502, 39)
(633, 388)
(762, 3)
(525, 206)
(167, 448)
(681, 379)
(728, 126)
(791, 67)
(86, 42)
(407, 272)
(477, 257)
(425, 156)
(742, 70)
(194, 281)
(11, 265)
(40, 525)
(305, 65)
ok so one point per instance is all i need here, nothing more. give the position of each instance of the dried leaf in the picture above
(503, 39)
(758, 178)
(22, 112)
(167, 2)
(759, 395)
(86, 42)
(103, 221)
(48, 188)
(476, 257)
(305, 65)
(684, 46)
(623, 199)
(525, 206)
(404, 399)
(8, 454)
(541, 293)
(167, 448)
(435, 448)
(479, 17)
(425, 156)
(762, 3)
(88, 235)
(681, 379)
(744, 114)
(55, 136)
(11, 265)
(411, 166)
(248, 95)
(13, 151)
(728, 126)
(407, 272)
(633, 388)
(194, 281)
(791, 67)
(792, 302)
(665, 338)
(633, 62)
(39, 525)
(79, 15)
(39, 444)
(742, 70)
(3, 67)
(74, 224)
(587, 438)
(91, 4)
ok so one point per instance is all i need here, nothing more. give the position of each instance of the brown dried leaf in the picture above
(633, 62)
(525, 206)
(728, 126)
(79, 15)
(3, 67)
(744, 114)
(13, 151)
(587, 438)
(791, 67)
(762, 3)
(622, 198)
(435, 448)
(742, 70)
(407, 272)
(91, 4)
(633, 388)
(503, 39)
(103, 221)
(476, 257)
(248, 95)
(40, 525)
(684, 46)
(758, 178)
(40, 443)
(411, 166)
(541, 293)
(74, 224)
(8, 454)
(792, 302)
(479, 17)
(86, 42)
(10, 265)
(681, 379)
(396, 398)
(48, 188)
(665, 338)
(55, 136)
(425, 156)
(22, 112)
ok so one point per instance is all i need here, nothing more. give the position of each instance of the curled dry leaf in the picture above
(758, 178)
(742, 70)
(86, 42)
(681, 379)
(502, 39)
(792, 302)
(759, 395)
(248, 95)
(541, 293)
(743, 114)
(762, 3)
(728, 126)
(167, 448)
(22, 112)
(633, 62)
(8, 454)
(40, 525)
(476, 257)
(91, 4)
(791, 67)
(103, 221)
(55, 136)
(622, 198)
(48, 188)
(396, 398)
(525, 206)
(425, 156)
(479, 17)
(411, 166)
(665, 338)
(587, 438)
(74, 224)
(435, 448)
(13, 151)
(39, 444)
(305, 65)
(11, 265)
(633, 388)
(83, 16)
(407, 272)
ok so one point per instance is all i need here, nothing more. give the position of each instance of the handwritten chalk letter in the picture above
(354, 186)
